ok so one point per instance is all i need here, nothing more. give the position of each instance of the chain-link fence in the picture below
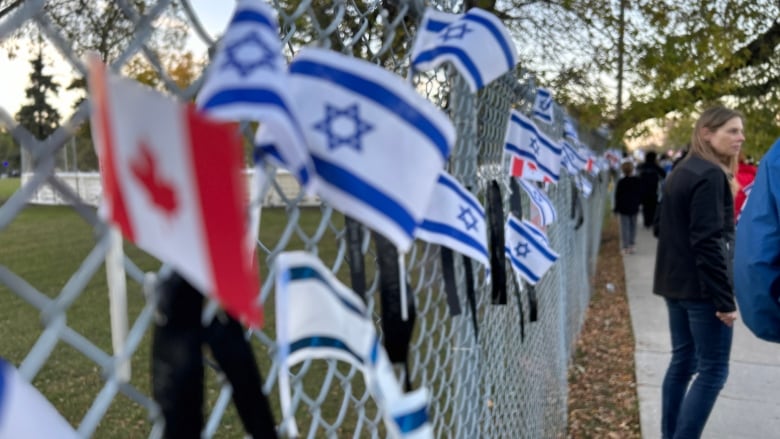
(509, 382)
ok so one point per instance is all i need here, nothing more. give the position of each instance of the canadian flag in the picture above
(172, 184)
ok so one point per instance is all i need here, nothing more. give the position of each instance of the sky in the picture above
(15, 73)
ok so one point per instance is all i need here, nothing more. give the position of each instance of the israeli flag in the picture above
(584, 185)
(540, 155)
(25, 412)
(570, 129)
(573, 160)
(247, 80)
(543, 105)
(456, 220)
(541, 202)
(528, 250)
(378, 147)
(476, 43)
(318, 317)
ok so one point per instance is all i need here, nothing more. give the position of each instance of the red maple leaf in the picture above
(162, 193)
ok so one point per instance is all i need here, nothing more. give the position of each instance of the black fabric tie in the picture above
(357, 269)
(450, 288)
(497, 257)
(396, 332)
(177, 364)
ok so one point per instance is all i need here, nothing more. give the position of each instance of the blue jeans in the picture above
(627, 230)
(701, 345)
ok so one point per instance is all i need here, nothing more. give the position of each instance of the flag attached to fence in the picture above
(377, 145)
(573, 161)
(172, 183)
(539, 158)
(318, 317)
(477, 43)
(570, 130)
(456, 220)
(541, 202)
(528, 250)
(248, 79)
(25, 412)
(543, 105)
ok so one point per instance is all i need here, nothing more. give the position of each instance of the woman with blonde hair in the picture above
(693, 271)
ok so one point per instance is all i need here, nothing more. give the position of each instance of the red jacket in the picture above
(746, 173)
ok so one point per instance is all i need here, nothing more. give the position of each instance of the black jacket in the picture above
(696, 235)
(650, 174)
(628, 195)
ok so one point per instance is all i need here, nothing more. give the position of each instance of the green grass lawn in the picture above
(7, 188)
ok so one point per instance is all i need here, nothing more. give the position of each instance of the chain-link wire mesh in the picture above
(509, 382)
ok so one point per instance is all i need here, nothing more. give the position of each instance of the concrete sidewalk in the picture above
(749, 405)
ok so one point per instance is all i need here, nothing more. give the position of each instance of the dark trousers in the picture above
(648, 211)
(701, 345)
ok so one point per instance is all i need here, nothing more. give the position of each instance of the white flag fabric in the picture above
(570, 130)
(540, 156)
(573, 160)
(584, 185)
(25, 412)
(456, 220)
(543, 105)
(247, 80)
(476, 43)
(172, 184)
(540, 201)
(318, 317)
(528, 250)
(377, 145)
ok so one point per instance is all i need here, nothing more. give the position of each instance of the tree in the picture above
(39, 116)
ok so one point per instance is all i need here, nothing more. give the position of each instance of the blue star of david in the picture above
(468, 218)
(343, 126)
(522, 250)
(455, 32)
(237, 55)
(545, 103)
(535, 145)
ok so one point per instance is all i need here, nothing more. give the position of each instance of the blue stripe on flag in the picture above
(514, 149)
(365, 193)
(306, 272)
(435, 26)
(378, 93)
(530, 127)
(323, 342)
(465, 197)
(464, 58)
(448, 230)
(250, 16)
(491, 27)
(412, 421)
(373, 356)
(532, 239)
(233, 96)
(519, 265)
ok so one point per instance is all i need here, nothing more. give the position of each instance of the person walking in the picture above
(651, 175)
(693, 271)
(627, 199)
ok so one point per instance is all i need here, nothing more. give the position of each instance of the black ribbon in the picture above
(516, 207)
(448, 273)
(397, 333)
(177, 364)
(471, 295)
(497, 257)
(533, 305)
(357, 269)
(577, 213)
